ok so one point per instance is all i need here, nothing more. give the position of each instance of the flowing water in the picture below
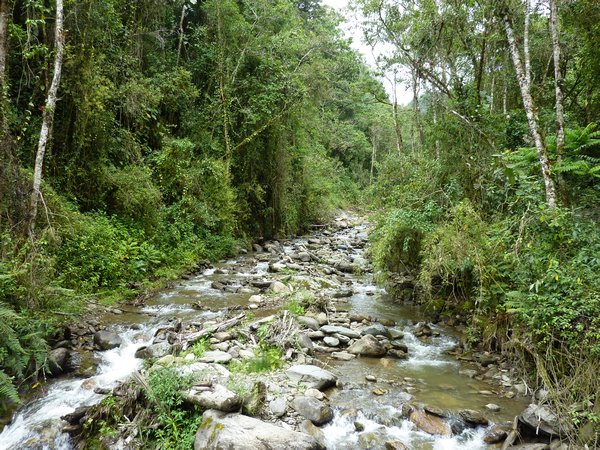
(429, 376)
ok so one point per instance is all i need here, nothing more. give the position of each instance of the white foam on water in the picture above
(341, 434)
(427, 354)
(40, 419)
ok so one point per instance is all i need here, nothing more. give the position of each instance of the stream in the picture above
(428, 376)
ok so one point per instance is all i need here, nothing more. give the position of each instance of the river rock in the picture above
(312, 409)
(315, 376)
(473, 417)
(496, 434)
(331, 341)
(154, 351)
(308, 322)
(309, 428)
(376, 329)
(305, 342)
(344, 331)
(58, 361)
(105, 340)
(216, 356)
(343, 293)
(399, 345)
(367, 346)
(373, 439)
(398, 354)
(429, 423)
(493, 407)
(537, 417)
(219, 431)
(278, 406)
(278, 287)
(218, 397)
(343, 356)
(395, 445)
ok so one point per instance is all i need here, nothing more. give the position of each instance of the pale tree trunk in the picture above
(397, 130)
(180, 44)
(48, 116)
(434, 105)
(492, 88)
(3, 44)
(558, 86)
(417, 109)
(526, 57)
(373, 156)
(530, 111)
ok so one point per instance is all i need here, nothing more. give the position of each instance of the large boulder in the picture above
(367, 346)
(312, 375)
(217, 397)
(220, 431)
(430, 424)
(312, 409)
(540, 420)
(105, 340)
(473, 417)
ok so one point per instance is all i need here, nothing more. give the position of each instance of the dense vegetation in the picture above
(465, 209)
(182, 130)
(186, 129)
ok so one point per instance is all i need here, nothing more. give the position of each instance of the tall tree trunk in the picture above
(180, 44)
(416, 108)
(48, 116)
(3, 44)
(434, 107)
(373, 156)
(526, 56)
(558, 86)
(530, 111)
(397, 130)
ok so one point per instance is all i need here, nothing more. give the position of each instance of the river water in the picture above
(429, 376)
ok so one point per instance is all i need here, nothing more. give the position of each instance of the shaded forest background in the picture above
(185, 130)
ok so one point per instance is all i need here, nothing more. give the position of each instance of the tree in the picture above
(529, 105)
(47, 118)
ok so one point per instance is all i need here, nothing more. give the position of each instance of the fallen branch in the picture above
(193, 337)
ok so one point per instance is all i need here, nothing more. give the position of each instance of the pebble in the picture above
(371, 378)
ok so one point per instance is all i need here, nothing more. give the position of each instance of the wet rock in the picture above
(537, 417)
(473, 417)
(278, 407)
(343, 356)
(399, 345)
(75, 417)
(395, 445)
(486, 360)
(373, 439)
(217, 285)
(254, 402)
(276, 267)
(423, 329)
(331, 341)
(376, 329)
(216, 356)
(308, 322)
(344, 331)
(309, 428)
(154, 351)
(315, 376)
(471, 373)
(312, 409)
(367, 346)
(106, 340)
(398, 354)
(436, 411)
(219, 431)
(345, 267)
(261, 284)
(217, 397)
(496, 434)
(343, 293)
(58, 361)
(493, 407)
(429, 423)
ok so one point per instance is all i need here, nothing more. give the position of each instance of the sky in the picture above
(352, 29)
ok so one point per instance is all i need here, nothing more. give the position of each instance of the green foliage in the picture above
(176, 426)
